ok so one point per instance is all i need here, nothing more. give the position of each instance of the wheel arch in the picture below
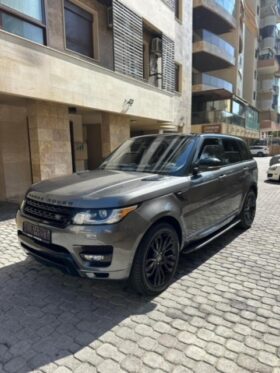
(169, 220)
(254, 188)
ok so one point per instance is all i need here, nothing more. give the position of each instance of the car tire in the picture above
(248, 212)
(156, 260)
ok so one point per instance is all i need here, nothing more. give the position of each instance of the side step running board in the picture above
(201, 243)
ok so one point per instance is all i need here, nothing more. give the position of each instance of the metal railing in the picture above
(228, 5)
(217, 116)
(205, 35)
(212, 81)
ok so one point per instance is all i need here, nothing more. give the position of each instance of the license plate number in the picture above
(40, 233)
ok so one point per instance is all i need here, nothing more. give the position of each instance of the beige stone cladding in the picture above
(49, 140)
(183, 56)
(15, 172)
(114, 130)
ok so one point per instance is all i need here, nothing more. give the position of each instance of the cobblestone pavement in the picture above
(222, 314)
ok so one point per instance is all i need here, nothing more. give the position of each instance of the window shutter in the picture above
(170, 3)
(168, 65)
(128, 41)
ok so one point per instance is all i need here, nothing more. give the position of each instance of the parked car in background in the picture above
(273, 173)
(154, 197)
(274, 160)
(259, 150)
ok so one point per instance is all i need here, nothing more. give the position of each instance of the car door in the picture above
(204, 203)
(235, 174)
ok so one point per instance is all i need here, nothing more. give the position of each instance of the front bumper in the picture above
(272, 175)
(67, 244)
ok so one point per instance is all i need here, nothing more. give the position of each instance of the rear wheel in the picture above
(156, 260)
(248, 212)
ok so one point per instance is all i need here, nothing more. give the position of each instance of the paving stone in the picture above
(109, 366)
(155, 361)
(268, 359)
(132, 364)
(221, 314)
(247, 362)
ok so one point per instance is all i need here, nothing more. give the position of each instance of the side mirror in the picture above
(211, 162)
(206, 164)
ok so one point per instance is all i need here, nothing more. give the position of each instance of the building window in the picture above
(255, 74)
(178, 77)
(24, 18)
(179, 9)
(79, 30)
(254, 96)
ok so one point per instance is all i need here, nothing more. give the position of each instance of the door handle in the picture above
(245, 168)
(221, 177)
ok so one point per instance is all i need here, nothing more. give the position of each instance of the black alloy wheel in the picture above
(156, 260)
(248, 212)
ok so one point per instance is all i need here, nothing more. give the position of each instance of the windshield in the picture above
(154, 154)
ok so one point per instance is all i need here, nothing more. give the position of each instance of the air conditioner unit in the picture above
(110, 17)
(156, 46)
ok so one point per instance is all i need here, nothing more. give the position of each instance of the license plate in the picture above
(34, 231)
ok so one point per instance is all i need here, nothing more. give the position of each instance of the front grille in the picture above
(57, 216)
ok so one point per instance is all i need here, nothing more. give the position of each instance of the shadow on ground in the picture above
(8, 210)
(46, 315)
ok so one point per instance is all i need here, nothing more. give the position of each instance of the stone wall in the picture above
(183, 56)
(49, 140)
(15, 171)
(115, 129)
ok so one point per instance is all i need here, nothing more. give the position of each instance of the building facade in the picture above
(225, 40)
(268, 68)
(78, 77)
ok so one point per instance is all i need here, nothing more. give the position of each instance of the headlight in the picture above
(22, 205)
(273, 168)
(102, 216)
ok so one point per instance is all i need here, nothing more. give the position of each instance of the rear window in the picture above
(232, 151)
(245, 152)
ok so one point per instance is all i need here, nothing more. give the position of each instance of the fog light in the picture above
(90, 275)
(93, 258)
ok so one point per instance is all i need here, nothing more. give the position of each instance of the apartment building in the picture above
(225, 42)
(268, 68)
(78, 77)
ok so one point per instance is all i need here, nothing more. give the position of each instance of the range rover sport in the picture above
(152, 198)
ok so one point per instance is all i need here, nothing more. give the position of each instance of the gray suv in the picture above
(152, 198)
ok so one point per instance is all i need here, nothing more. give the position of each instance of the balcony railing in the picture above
(212, 81)
(217, 116)
(209, 37)
(228, 5)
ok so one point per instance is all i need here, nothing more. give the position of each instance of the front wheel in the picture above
(156, 260)
(248, 212)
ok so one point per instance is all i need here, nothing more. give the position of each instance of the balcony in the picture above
(217, 116)
(268, 65)
(211, 87)
(218, 16)
(210, 52)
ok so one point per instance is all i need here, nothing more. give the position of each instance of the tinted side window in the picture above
(212, 149)
(245, 152)
(232, 151)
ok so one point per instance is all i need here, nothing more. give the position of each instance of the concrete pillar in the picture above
(115, 129)
(2, 177)
(49, 140)
(15, 171)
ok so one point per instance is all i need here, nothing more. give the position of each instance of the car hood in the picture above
(104, 189)
(275, 165)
